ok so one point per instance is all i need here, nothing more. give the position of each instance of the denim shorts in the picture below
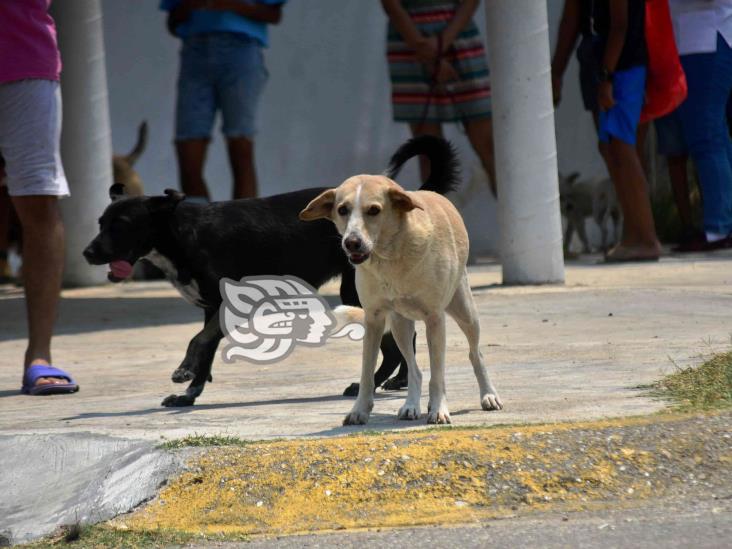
(621, 121)
(219, 71)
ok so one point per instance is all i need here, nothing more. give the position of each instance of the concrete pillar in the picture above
(525, 143)
(85, 139)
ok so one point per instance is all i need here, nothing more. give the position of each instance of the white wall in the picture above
(325, 114)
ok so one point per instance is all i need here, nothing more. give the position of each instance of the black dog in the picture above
(196, 245)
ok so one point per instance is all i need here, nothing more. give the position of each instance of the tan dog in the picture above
(410, 250)
(123, 169)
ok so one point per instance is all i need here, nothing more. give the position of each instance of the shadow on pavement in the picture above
(377, 422)
(225, 405)
(78, 316)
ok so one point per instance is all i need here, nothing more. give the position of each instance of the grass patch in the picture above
(705, 387)
(212, 441)
(107, 537)
(202, 441)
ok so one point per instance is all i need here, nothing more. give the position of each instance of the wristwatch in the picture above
(605, 75)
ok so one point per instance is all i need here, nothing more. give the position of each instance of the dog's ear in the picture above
(401, 200)
(175, 196)
(319, 207)
(117, 192)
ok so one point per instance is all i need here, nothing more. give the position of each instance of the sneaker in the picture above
(701, 244)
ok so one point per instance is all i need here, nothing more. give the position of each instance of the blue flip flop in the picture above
(33, 373)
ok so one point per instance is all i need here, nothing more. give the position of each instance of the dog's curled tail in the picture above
(444, 165)
(349, 322)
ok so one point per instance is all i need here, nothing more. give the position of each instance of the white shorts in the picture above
(30, 132)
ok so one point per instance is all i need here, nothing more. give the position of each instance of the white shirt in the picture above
(697, 22)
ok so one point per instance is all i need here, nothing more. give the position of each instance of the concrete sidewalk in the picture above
(569, 352)
(556, 353)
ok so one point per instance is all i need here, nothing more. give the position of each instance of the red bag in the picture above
(666, 81)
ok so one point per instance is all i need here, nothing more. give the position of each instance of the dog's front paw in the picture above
(409, 411)
(356, 417)
(178, 401)
(351, 390)
(440, 416)
(491, 401)
(394, 384)
(181, 375)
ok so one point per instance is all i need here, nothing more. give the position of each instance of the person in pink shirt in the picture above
(30, 129)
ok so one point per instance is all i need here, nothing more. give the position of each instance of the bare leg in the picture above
(604, 219)
(43, 257)
(4, 217)
(603, 148)
(425, 129)
(403, 331)
(480, 134)
(191, 155)
(640, 145)
(462, 309)
(639, 239)
(680, 185)
(241, 158)
(5, 274)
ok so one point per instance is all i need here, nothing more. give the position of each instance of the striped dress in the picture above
(411, 87)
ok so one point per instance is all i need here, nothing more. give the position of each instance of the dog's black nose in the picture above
(352, 243)
(88, 253)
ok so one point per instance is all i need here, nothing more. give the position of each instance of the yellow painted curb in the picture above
(408, 478)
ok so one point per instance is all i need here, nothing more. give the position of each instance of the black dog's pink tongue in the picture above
(119, 270)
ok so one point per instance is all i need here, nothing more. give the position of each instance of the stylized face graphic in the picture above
(264, 318)
(302, 318)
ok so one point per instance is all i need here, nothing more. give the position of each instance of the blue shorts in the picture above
(621, 121)
(670, 135)
(219, 71)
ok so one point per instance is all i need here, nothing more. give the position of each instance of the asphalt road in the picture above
(701, 524)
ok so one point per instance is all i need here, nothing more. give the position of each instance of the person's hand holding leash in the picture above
(427, 49)
(444, 72)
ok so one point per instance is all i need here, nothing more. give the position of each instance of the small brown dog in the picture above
(123, 165)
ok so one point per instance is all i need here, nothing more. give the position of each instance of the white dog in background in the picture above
(583, 198)
(410, 251)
